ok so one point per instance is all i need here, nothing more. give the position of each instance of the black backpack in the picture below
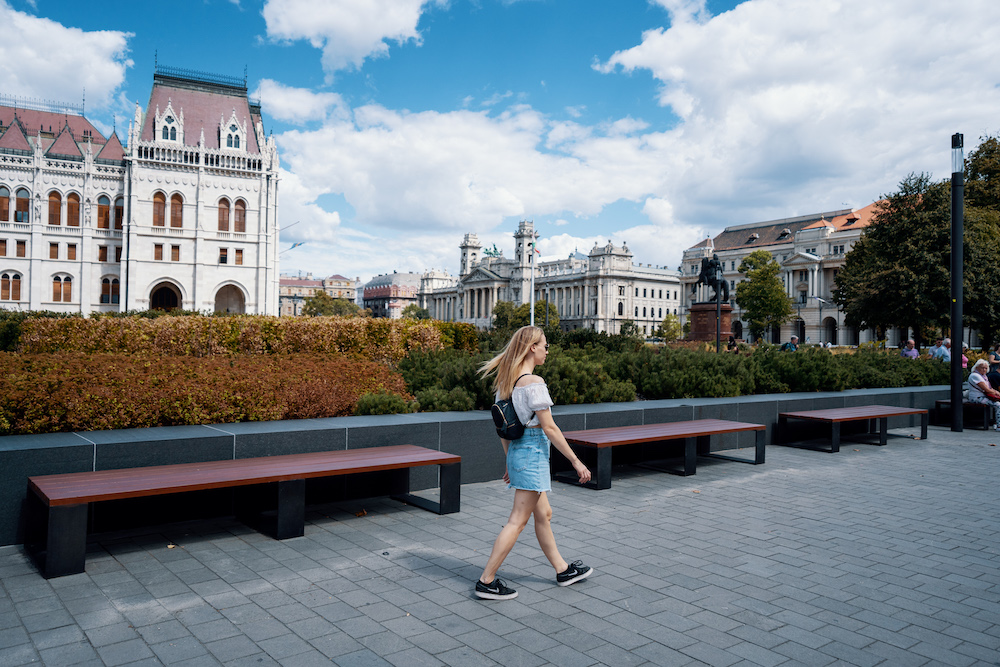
(509, 427)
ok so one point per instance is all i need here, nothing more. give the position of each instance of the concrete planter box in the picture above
(469, 434)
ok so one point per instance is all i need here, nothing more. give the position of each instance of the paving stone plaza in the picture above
(872, 556)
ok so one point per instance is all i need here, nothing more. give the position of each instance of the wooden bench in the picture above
(696, 435)
(58, 504)
(975, 415)
(837, 416)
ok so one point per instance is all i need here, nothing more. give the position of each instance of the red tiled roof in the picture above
(14, 138)
(337, 276)
(50, 121)
(862, 217)
(112, 149)
(202, 109)
(64, 145)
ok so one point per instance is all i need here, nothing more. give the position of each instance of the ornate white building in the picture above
(810, 250)
(183, 216)
(597, 291)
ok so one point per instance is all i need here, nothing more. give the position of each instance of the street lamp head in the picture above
(957, 160)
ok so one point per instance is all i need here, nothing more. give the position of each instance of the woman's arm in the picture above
(556, 438)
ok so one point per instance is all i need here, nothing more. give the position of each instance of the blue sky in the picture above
(404, 124)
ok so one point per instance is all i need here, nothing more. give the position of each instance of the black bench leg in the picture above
(64, 550)
(602, 478)
(883, 430)
(759, 447)
(835, 438)
(691, 449)
(923, 426)
(779, 430)
(450, 490)
(291, 509)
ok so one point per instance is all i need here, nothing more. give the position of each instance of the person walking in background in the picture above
(528, 461)
(944, 352)
(933, 349)
(994, 358)
(909, 350)
(792, 345)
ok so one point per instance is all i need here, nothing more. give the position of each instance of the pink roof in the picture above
(112, 149)
(14, 138)
(49, 121)
(64, 145)
(337, 276)
(299, 282)
(861, 217)
(203, 106)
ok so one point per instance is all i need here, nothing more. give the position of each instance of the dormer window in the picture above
(169, 126)
(753, 237)
(785, 233)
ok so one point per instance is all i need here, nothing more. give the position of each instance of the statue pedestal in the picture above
(703, 322)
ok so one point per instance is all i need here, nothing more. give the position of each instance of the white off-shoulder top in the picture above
(530, 399)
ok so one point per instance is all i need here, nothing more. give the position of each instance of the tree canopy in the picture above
(415, 312)
(322, 303)
(670, 327)
(899, 271)
(762, 295)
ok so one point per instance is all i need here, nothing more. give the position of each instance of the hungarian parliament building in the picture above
(183, 215)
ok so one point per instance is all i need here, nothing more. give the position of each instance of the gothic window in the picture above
(241, 217)
(10, 287)
(103, 212)
(176, 211)
(223, 215)
(159, 209)
(55, 208)
(119, 212)
(109, 290)
(229, 141)
(173, 134)
(4, 204)
(22, 204)
(73, 209)
(166, 133)
(236, 141)
(62, 289)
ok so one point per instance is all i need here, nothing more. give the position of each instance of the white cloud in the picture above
(347, 31)
(44, 59)
(297, 105)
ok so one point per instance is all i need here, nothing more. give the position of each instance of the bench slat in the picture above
(85, 487)
(628, 435)
(854, 414)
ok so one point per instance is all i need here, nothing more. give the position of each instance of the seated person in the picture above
(980, 390)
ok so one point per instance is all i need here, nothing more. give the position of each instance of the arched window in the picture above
(173, 134)
(109, 290)
(73, 209)
(4, 204)
(223, 215)
(236, 141)
(661, 313)
(166, 132)
(176, 211)
(119, 212)
(10, 287)
(159, 209)
(241, 217)
(62, 289)
(55, 208)
(22, 204)
(621, 309)
(637, 311)
(644, 312)
(103, 212)
(229, 141)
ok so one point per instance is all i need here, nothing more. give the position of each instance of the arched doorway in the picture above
(229, 299)
(830, 331)
(737, 329)
(800, 330)
(164, 297)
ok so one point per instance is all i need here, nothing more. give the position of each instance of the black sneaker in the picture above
(496, 590)
(574, 573)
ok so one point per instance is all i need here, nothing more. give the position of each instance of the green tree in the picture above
(670, 327)
(503, 312)
(522, 315)
(629, 329)
(982, 215)
(762, 295)
(322, 303)
(415, 312)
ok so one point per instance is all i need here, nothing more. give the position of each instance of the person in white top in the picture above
(980, 390)
(528, 461)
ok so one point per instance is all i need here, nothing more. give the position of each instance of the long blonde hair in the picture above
(508, 363)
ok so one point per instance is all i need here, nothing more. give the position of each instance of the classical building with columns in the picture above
(810, 250)
(599, 290)
(183, 214)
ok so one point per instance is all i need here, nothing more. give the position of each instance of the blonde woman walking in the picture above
(528, 461)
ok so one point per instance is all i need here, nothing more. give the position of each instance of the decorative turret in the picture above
(470, 254)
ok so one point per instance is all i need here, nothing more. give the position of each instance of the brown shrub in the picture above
(46, 393)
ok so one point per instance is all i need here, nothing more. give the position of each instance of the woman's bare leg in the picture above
(543, 531)
(524, 505)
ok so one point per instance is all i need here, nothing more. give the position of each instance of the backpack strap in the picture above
(512, 394)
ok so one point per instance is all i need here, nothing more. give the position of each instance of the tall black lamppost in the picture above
(957, 234)
(718, 306)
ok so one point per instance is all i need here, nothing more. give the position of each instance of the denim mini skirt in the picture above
(528, 462)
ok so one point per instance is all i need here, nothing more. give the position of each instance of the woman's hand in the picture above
(582, 471)
(506, 476)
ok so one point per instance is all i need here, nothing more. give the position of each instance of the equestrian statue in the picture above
(711, 275)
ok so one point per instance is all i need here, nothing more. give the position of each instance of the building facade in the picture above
(599, 290)
(293, 291)
(184, 215)
(811, 250)
(388, 294)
